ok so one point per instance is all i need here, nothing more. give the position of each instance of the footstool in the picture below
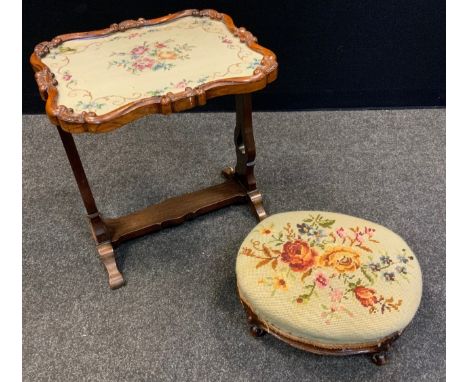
(328, 283)
(98, 81)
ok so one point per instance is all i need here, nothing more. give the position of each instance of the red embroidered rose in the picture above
(366, 296)
(299, 255)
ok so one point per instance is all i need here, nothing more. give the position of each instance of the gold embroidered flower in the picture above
(266, 230)
(279, 283)
(343, 259)
(167, 55)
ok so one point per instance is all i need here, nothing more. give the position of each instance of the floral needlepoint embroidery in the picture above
(335, 266)
(150, 61)
(321, 280)
(343, 259)
(366, 296)
(299, 255)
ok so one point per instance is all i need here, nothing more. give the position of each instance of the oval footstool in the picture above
(328, 283)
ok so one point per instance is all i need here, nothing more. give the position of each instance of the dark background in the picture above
(331, 54)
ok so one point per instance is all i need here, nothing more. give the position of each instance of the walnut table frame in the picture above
(240, 185)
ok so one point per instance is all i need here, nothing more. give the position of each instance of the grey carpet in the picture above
(178, 318)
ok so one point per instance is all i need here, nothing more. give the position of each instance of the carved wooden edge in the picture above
(259, 325)
(73, 122)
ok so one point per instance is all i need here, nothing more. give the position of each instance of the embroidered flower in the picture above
(266, 230)
(159, 45)
(139, 50)
(226, 40)
(369, 231)
(359, 237)
(321, 280)
(402, 259)
(389, 276)
(319, 234)
(343, 259)
(386, 260)
(279, 283)
(299, 255)
(374, 267)
(67, 76)
(340, 232)
(143, 63)
(304, 228)
(401, 269)
(167, 55)
(366, 296)
(336, 295)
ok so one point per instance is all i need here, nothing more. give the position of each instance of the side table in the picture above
(101, 80)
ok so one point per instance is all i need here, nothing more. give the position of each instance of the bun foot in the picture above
(379, 358)
(228, 172)
(256, 331)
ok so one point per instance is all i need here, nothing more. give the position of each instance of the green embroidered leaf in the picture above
(307, 220)
(306, 274)
(324, 306)
(367, 276)
(327, 223)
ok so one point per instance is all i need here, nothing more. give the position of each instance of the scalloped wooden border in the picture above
(73, 122)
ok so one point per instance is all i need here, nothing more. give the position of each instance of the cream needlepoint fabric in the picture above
(101, 74)
(329, 278)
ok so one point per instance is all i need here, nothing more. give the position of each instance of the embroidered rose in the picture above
(366, 296)
(143, 63)
(299, 255)
(321, 280)
(139, 50)
(167, 55)
(343, 259)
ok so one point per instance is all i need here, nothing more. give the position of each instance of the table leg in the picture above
(245, 152)
(100, 232)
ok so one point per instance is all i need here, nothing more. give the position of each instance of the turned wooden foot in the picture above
(107, 256)
(256, 331)
(228, 172)
(380, 358)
